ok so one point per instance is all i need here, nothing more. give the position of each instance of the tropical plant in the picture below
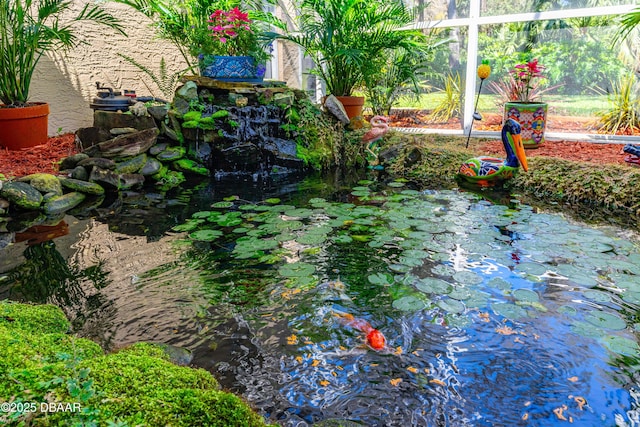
(350, 39)
(28, 30)
(402, 74)
(451, 105)
(624, 114)
(522, 84)
(186, 24)
(628, 22)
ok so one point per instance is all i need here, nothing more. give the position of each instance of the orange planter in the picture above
(352, 105)
(24, 127)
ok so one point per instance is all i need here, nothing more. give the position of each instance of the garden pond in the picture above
(494, 314)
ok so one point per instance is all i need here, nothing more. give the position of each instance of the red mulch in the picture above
(44, 158)
(569, 150)
(41, 158)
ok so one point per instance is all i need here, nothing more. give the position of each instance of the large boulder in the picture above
(43, 182)
(22, 194)
(128, 145)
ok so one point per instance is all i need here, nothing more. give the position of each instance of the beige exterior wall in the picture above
(68, 82)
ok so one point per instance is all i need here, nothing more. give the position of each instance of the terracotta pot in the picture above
(532, 116)
(24, 127)
(352, 104)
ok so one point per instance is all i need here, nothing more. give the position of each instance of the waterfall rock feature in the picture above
(228, 136)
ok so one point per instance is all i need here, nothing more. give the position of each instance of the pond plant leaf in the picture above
(409, 303)
(206, 235)
(621, 345)
(297, 269)
(222, 205)
(380, 279)
(603, 319)
(189, 225)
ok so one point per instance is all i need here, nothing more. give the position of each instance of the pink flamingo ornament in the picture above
(379, 127)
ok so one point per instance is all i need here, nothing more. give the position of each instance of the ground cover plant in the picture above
(43, 366)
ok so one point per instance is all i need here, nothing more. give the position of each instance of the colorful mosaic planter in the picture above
(231, 68)
(532, 118)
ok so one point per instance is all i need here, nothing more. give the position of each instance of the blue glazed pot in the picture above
(231, 68)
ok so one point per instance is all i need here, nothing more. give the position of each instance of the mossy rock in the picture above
(132, 165)
(171, 154)
(22, 194)
(58, 204)
(161, 173)
(82, 186)
(43, 182)
(151, 167)
(189, 166)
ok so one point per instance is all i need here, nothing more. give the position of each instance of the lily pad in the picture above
(621, 345)
(432, 285)
(526, 295)
(206, 235)
(222, 205)
(451, 306)
(190, 225)
(342, 239)
(467, 277)
(508, 310)
(409, 303)
(297, 269)
(603, 319)
(380, 279)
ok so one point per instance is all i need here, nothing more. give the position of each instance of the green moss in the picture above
(33, 318)
(192, 116)
(191, 166)
(137, 385)
(220, 114)
(192, 124)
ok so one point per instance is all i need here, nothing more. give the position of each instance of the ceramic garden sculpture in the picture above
(378, 130)
(487, 171)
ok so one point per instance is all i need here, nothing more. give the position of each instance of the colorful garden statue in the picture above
(633, 154)
(487, 171)
(378, 130)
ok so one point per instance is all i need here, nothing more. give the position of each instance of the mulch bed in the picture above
(41, 158)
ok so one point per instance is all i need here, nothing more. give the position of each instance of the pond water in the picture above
(494, 314)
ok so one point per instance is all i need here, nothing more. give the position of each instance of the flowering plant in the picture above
(526, 78)
(233, 33)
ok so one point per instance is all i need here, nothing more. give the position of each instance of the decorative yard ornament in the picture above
(484, 71)
(379, 128)
(487, 171)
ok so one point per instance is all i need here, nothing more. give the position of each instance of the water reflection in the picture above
(494, 314)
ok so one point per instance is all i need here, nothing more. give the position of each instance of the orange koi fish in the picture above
(375, 339)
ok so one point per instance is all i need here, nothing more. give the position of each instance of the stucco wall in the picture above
(68, 82)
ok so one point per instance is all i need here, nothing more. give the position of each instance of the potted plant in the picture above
(204, 29)
(28, 30)
(520, 93)
(350, 39)
(232, 51)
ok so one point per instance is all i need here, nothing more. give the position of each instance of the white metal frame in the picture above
(473, 23)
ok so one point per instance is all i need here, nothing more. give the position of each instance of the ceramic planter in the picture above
(24, 127)
(352, 104)
(231, 68)
(532, 117)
